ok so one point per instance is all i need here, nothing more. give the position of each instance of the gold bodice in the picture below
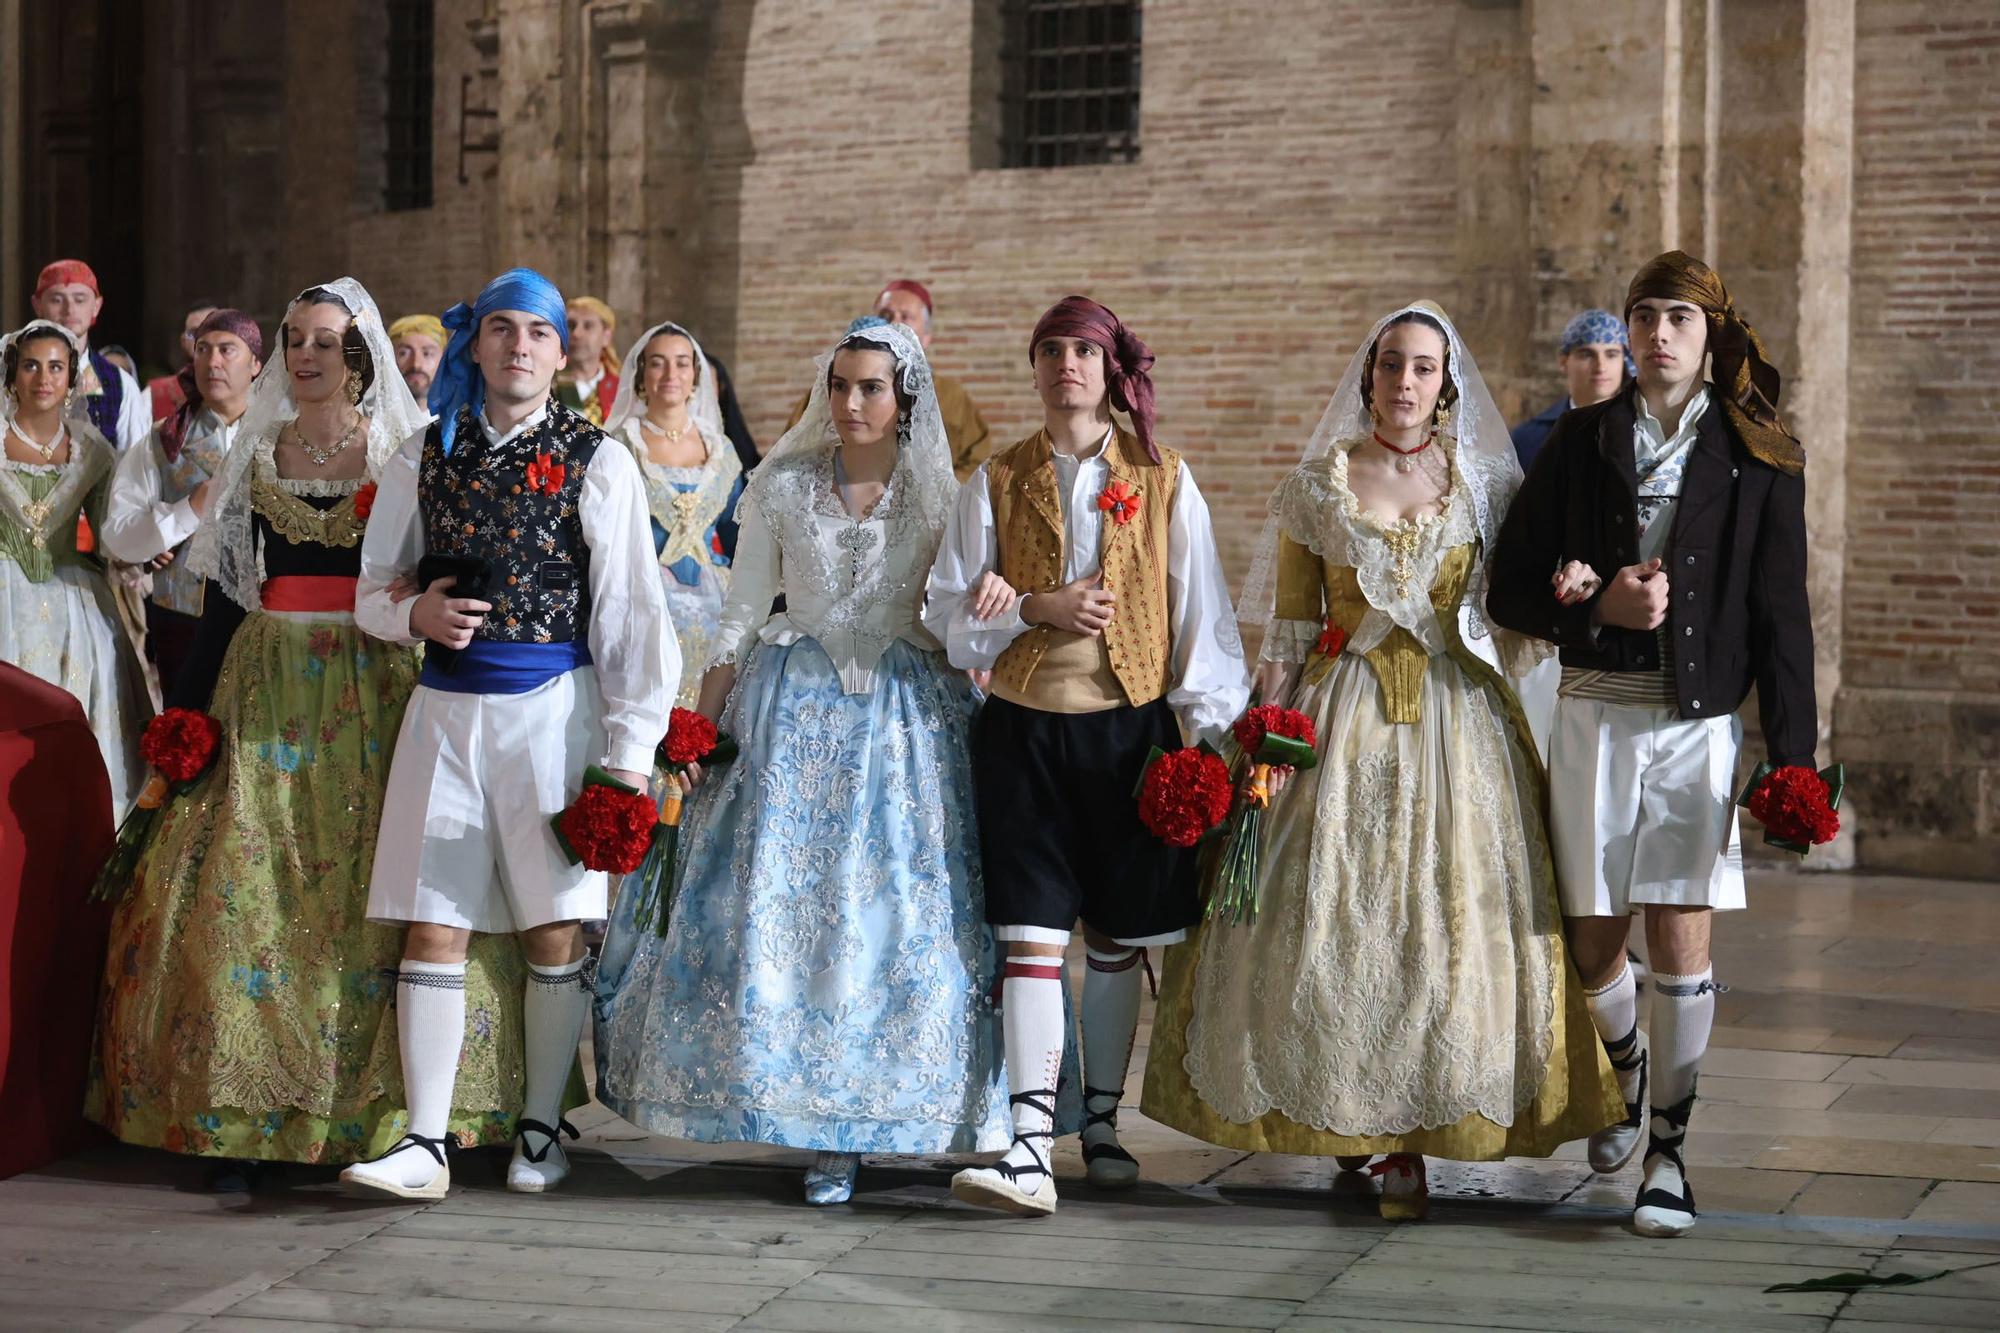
(1310, 588)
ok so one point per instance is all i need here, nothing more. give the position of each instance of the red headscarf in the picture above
(914, 288)
(63, 273)
(1128, 361)
(173, 431)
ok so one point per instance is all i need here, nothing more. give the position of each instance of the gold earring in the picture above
(1442, 415)
(354, 387)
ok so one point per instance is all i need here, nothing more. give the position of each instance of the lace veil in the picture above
(224, 547)
(1482, 454)
(705, 411)
(923, 463)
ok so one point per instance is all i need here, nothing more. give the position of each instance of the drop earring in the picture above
(354, 388)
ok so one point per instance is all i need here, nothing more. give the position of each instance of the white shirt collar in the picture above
(587, 384)
(1650, 425)
(1078, 460)
(494, 439)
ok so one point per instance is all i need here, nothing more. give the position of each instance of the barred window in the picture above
(1069, 82)
(407, 182)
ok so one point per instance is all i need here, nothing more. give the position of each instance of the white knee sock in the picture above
(1683, 1014)
(1031, 1021)
(430, 1025)
(552, 1013)
(1110, 1017)
(1614, 1011)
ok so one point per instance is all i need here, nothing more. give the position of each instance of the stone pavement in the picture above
(1850, 1122)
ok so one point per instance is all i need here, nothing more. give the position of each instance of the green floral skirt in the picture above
(247, 998)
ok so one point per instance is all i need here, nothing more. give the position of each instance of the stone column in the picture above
(643, 250)
(540, 113)
(1616, 124)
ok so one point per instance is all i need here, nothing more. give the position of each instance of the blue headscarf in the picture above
(1598, 326)
(458, 382)
(860, 322)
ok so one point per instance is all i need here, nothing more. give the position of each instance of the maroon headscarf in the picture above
(1128, 362)
(173, 431)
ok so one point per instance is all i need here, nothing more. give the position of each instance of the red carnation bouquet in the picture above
(1271, 737)
(693, 739)
(179, 745)
(690, 739)
(1798, 808)
(1184, 796)
(609, 826)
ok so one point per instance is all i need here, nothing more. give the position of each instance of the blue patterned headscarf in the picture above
(1598, 326)
(860, 322)
(458, 382)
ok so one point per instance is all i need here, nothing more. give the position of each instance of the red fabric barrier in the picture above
(55, 830)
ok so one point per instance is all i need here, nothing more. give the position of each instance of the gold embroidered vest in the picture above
(1131, 662)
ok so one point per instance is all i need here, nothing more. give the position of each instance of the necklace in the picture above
(670, 436)
(321, 457)
(47, 451)
(1406, 459)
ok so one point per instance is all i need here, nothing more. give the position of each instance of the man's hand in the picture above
(1075, 608)
(1636, 598)
(990, 596)
(160, 561)
(1574, 582)
(444, 620)
(402, 588)
(643, 781)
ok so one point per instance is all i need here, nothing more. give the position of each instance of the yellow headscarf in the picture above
(430, 326)
(607, 358)
(1745, 379)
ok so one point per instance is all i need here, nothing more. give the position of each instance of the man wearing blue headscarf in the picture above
(549, 650)
(1595, 359)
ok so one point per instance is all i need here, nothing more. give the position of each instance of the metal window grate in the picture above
(1070, 83)
(407, 178)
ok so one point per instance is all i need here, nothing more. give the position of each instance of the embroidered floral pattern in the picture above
(516, 506)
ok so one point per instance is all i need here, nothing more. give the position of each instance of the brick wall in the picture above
(1251, 245)
(1919, 714)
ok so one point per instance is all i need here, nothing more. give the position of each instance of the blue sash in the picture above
(103, 408)
(493, 666)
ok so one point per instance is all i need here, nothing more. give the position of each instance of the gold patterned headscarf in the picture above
(429, 326)
(1746, 380)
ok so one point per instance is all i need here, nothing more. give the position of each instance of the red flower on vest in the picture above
(1331, 641)
(545, 475)
(1121, 501)
(364, 502)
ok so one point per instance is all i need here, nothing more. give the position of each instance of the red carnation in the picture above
(1331, 640)
(1269, 719)
(1793, 804)
(690, 738)
(608, 828)
(364, 502)
(181, 743)
(1184, 795)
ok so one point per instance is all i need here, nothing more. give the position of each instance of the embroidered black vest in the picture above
(516, 507)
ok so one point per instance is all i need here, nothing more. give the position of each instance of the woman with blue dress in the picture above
(823, 978)
(668, 412)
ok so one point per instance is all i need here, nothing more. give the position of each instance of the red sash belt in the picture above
(310, 592)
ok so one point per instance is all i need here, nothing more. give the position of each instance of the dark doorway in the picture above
(82, 177)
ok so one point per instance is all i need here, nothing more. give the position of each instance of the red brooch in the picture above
(1121, 501)
(364, 502)
(545, 475)
(1331, 641)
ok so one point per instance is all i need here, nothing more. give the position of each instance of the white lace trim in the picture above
(1290, 641)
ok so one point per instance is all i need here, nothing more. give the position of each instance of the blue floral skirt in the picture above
(824, 980)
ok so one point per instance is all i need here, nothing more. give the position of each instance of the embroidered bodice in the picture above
(854, 586)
